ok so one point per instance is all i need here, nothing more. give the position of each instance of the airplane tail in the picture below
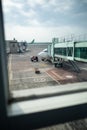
(32, 42)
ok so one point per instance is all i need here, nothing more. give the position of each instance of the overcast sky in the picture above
(44, 19)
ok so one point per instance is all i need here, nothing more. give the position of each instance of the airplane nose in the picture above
(40, 53)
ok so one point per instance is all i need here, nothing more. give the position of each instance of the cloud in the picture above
(34, 3)
(31, 14)
(44, 18)
(9, 4)
(39, 33)
(61, 5)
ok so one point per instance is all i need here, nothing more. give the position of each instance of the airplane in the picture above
(44, 55)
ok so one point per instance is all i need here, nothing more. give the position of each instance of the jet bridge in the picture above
(62, 51)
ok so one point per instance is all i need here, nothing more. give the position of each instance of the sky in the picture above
(43, 20)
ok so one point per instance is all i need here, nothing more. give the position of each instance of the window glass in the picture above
(39, 31)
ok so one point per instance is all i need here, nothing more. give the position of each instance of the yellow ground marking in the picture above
(43, 64)
(53, 78)
(60, 77)
(22, 71)
(10, 69)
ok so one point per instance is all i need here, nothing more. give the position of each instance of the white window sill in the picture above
(51, 103)
(50, 91)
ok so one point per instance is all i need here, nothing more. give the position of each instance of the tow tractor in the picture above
(34, 58)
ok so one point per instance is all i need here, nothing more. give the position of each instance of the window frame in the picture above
(33, 120)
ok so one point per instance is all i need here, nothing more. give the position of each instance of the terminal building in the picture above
(11, 46)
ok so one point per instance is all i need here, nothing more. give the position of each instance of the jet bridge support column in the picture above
(73, 49)
(52, 49)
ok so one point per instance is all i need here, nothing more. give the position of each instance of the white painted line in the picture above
(39, 80)
(83, 68)
(29, 77)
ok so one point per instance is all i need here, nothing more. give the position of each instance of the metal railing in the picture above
(70, 38)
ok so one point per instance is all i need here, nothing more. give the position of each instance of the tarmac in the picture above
(22, 77)
(22, 72)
